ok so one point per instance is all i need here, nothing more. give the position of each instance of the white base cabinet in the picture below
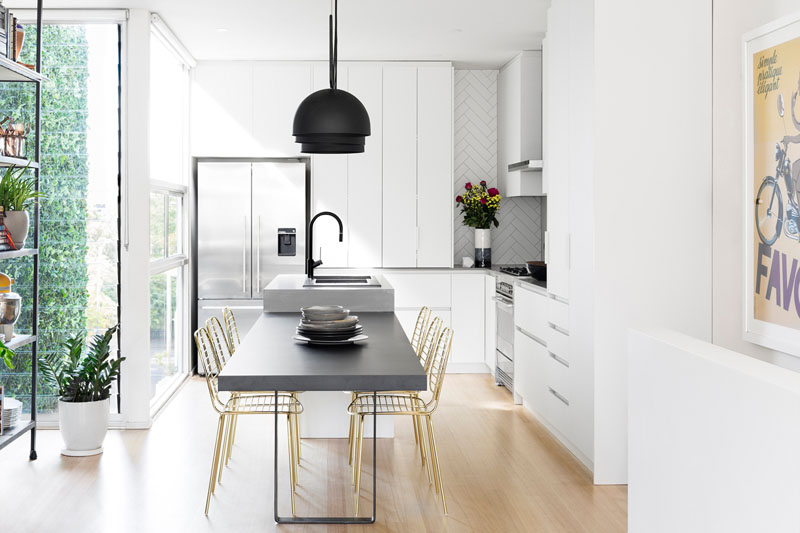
(554, 383)
(458, 299)
(467, 311)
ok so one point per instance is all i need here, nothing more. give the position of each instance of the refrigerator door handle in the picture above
(258, 255)
(244, 256)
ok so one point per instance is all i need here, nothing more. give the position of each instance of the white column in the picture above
(135, 254)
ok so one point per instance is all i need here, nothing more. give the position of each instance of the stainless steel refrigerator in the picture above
(250, 226)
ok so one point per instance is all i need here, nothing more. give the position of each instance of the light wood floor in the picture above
(503, 472)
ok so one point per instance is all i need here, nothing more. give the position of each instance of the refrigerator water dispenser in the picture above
(287, 241)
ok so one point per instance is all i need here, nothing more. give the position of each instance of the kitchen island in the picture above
(325, 414)
(290, 292)
(268, 359)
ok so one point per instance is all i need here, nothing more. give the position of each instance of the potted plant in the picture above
(84, 388)
(479, 206)
(17, 194)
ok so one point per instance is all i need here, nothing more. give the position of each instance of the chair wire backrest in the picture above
(438, 365)
(231, 329)
(211, 368)
(419, 329)
(429, 343)
(218, 341)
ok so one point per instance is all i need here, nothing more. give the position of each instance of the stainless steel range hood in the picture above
(526, 166)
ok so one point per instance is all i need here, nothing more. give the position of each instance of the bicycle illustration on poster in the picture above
(772, 185)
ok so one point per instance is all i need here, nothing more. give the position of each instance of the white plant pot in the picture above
(17, 223)
(483, 248)
(83, 426)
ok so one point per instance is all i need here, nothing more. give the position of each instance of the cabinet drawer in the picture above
(558, 343)
(530, 370)
(530, 312)
(557, 410)
(558, 313)
(558, 375)
(415, 290)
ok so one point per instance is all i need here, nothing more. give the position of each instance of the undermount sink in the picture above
(342, 281)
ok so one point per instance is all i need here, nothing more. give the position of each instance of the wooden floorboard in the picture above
(502, 471)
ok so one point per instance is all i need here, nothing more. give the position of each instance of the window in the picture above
(79, 253)
(169, 317)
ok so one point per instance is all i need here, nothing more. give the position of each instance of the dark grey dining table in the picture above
(268, 359)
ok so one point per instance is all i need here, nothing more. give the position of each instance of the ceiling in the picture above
(471, 33)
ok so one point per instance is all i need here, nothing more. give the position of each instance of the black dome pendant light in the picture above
(331, 121)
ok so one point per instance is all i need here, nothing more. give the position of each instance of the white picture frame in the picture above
(761, 332)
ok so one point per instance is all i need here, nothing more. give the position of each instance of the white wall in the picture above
(732, 19)
(652, 192)
(713, 441)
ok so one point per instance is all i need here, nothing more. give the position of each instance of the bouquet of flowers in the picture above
(479, 205)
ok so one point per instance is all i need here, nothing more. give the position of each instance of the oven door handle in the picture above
(503, 302)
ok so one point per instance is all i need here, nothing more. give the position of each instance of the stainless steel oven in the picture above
(504, 302)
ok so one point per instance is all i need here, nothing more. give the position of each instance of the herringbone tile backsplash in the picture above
(520, 235)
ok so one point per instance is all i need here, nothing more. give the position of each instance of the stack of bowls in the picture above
(11, 411)
(328, 324)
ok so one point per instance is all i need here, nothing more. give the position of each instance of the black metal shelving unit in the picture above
(11, 71)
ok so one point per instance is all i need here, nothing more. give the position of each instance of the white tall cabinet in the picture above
(554, 370)
(434, 167)
(395, 199)
(400, 166)
(417, 166)
(365, 191)
(557, 149)
(329, 174)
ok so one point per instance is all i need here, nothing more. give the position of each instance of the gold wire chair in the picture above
(420, 328)
(219, 341)
(410, 405)
(241, 404)
(226, 342)
(423, 352)
(221, 349)
(231, 329)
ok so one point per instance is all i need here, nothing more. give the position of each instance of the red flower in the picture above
(493, 192)
(483, 201)
(459, 199)
(483, 183)
(468, 186)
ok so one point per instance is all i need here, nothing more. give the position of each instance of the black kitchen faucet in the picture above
(311, 263)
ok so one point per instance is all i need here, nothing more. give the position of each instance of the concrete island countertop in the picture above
(286, 293)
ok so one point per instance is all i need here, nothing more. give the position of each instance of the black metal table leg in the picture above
(331, 519)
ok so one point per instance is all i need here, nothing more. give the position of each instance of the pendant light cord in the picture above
(333, 43)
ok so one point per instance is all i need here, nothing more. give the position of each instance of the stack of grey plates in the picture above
(328, 324)
(11, 411)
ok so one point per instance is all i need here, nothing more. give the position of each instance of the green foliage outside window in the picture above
(65, 234)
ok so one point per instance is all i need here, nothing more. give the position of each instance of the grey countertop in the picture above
(269, 359)
(286, 293)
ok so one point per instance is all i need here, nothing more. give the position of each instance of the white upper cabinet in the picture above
(278, 88)
(435, 166)
(364, 183)
(329, 187)
(400, 166)
(222, 111)
(519, 123)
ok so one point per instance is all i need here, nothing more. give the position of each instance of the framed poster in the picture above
(772, 185)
